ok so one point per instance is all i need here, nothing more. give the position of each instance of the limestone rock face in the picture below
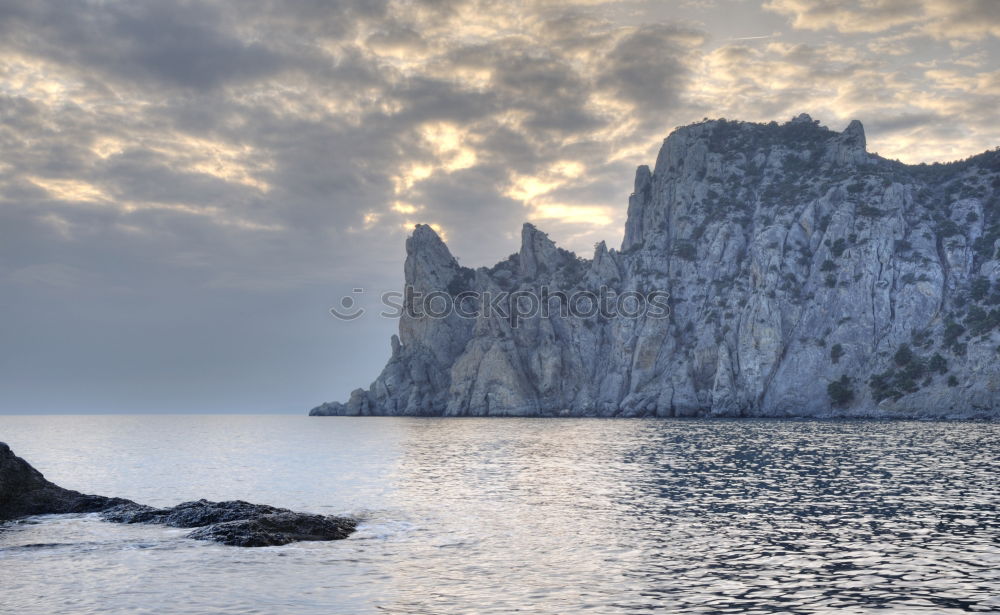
(807, 277)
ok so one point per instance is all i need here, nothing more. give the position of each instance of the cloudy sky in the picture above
(186, 187)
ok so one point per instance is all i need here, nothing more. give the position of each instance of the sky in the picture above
(187, 187)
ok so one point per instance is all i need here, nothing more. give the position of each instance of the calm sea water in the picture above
(520, 515)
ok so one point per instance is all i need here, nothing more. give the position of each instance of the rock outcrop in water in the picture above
(276, 529)
(807, 277)
(189, 514)
(237, 523)
(24, 492)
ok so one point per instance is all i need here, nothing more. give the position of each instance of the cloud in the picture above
(963, 19)
(169, 160)
(649, 66)
(154, 43)
(941, 19)
(53, 274)
(847, 15)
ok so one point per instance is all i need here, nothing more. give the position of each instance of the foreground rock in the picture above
(190, 514)
(24, 492)
(276, 529)
(807, 277)
(237, 523)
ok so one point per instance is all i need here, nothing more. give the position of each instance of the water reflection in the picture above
(702, 516)
(525, 515)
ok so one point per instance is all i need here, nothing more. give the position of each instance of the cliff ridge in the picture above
(807, 277)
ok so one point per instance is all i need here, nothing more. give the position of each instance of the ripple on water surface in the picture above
(529, 515)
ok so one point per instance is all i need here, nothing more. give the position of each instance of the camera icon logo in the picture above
(348, 309)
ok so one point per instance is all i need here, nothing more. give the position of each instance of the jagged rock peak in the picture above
(855, 131)
(528, 227)
(643, 179)
(537, 251)
(849, 147)
(429, 263)
(603, 267)
(802, 118)
(423, 235)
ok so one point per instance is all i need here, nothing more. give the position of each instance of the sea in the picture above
(540, 516)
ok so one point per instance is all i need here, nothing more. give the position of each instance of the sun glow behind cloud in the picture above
(70, 190)
(498, 92)
(191, 149)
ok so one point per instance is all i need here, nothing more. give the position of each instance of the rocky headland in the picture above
(24, 491)
(807, 278)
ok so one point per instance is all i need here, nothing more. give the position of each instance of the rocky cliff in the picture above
(807, 277)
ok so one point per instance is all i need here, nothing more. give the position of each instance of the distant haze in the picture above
(187, 187)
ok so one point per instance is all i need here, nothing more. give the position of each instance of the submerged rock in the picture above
(24, 492)
(276, 529)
